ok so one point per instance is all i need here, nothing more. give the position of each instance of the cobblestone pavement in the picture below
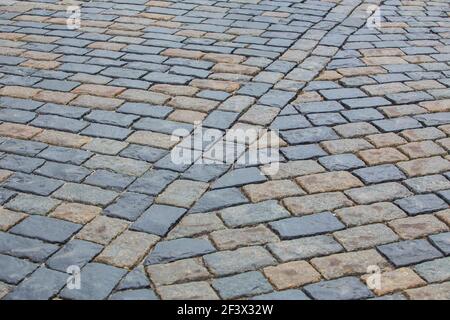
(87, 179)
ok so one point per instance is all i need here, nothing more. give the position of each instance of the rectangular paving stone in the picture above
(47, 229)
(244, 284)
(365, 236)
(102, 230)
(381, 173)
(75, 252)
(85, 194)
(309, 225)
(32, 204)
(316, 203)
(181, 270)
(22, 147)
(43, 284)
(217, 199)
(20, 163)
(13, 270)
(442, 241)
(172, 250)
(65, 155)
(435, 270)
(409, 252)
(309, 135)
(153, 182)
(128, 206)
(421, 204)
(21, 247)
(97, 282)
(32, 183)
(347, 288)
(378, 193)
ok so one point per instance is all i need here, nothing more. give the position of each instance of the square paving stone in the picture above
(129, 206)
(347, 288)
(13, 270)
(33, 184)
(314, 224)
(32, 204)
(172, 250)
(153, 182)
(216, 199)
(421, 204)
(43, 284)
(341, 162)
(381, 173)
(47, 229)
(158, 219)
(244, 284)
(205, 172)
(409, 252)
(74, 253)
(220, 119)
(442, 241)
(97, 282)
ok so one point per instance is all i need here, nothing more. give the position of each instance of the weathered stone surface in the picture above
(291, 275)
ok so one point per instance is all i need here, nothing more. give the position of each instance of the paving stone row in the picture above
(90, 119)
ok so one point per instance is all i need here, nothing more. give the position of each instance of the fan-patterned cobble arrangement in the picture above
(87, 179)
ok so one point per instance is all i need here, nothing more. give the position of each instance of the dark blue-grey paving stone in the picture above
(158, 219)
(45, 228)
(276, 98)
(309, 135)
(301, 152)
(15, 80)
(397, 124)
(162, 126)
(62, 110)
(135, 279)
(123, 72)
(213, 95)
(97, 282)
(65, 155)
(32, 249)
(366, 102)
(409, 97)
(434, 119)
(172, 250)
(130, 83)
(342, 93)
(17, 103)
(254, 89)
(13, 270)
(59, 123)
(32, 183)
(445, 194)
(442, 241)
(140, 294)
(239, 177)
(32, 204)
(220, 119)
(244, 284)
(57, 85)
(109, 180)
(62, 171)
(319, 106)
(20, 163)
(326, 119)
(205, 172)
(166, 78)
(6, 195)
(382, 173)
(295, 121)
(179, 166)
(106, 131)
(341, 162)
(129, 206)
(145, 109)
(43, 284)
(111, 118)
(292, 294)
(362, 115)
(347, 288)
(17, 116)
(313, 224)
(216, 199)
(423, 203)
(434, 271)
(22, 147)
(78, 67)
(74, 253)
(409, 252)
(153, 182)
(144, 153)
